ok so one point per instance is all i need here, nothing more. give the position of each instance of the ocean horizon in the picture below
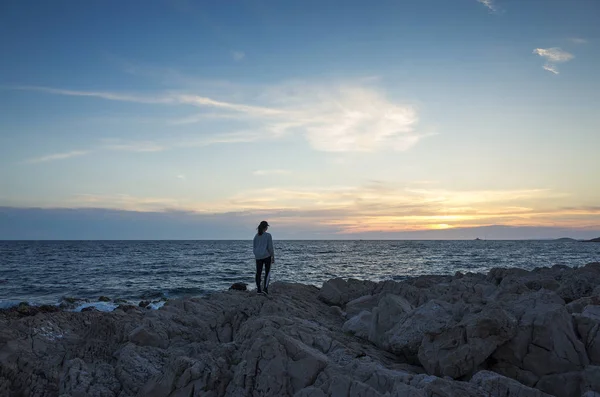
(52, 271)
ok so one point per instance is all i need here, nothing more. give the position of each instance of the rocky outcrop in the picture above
(460, 349)
(510, 333)
(588, 326)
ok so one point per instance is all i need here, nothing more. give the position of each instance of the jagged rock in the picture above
(591, 378)
(578, 305)
(501, 386)
(404, 339)
(104, 299)
(359, 325)
(338, 291)
(561, 385)
(239, 286)
(546, 342)
(235, 344)
(459, 350)
(390, 311)
(588, 326)
(438, 387)
(275, 364)
(79, 379)
(367, 302)
(590, 394)
(577, 286)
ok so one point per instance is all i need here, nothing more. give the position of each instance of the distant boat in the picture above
(477, 239)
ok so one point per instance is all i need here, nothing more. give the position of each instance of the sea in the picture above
(53, 272)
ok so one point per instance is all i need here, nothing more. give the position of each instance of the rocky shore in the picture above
(509, 333)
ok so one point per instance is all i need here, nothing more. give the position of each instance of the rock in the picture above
(546, 342)
(404, 339)
(577, 285)
(334, 292)
(239, 286)
(561, 385)
(359, 325)
(367, 302)
(500, 386)
(591, 378)
(460, 349)
(25, 310)
(236, 344)
(89, 309)
(338, 291)
(390, 311)
(578, 305)
(438, 387)
(144, 303)
(590, 394)
(588, 326)
(337, 311)
(275, 364)
(127, 308)
(104, 299)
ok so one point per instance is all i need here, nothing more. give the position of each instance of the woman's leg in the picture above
(267, 273)
(259, 266)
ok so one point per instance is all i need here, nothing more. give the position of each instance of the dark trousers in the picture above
(259, 267)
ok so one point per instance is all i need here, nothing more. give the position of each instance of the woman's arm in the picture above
(270, 248)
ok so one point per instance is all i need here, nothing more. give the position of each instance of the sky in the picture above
(338, 119)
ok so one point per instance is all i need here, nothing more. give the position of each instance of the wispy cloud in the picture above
(111, 96)
(57, 156)
(182, 177)
(194, 100)
(271, 172)
(238, 55)
(333, 117)
(553, 56)
(133, 146)
(490, 5)
(578, 40)
(551, 68)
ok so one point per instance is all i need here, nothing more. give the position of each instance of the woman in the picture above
(264, 255)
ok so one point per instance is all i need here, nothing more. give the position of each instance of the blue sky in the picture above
(329, 119)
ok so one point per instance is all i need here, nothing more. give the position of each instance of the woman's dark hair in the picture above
(262, 227)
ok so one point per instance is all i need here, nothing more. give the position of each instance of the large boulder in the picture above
(338, 291)
(588, 326)
(273, 363)
(359, 325)
(404, 339)
(389, 312)
(459, 349)
(546, 342)
(366, 302)
(567, 384)
(578, 305)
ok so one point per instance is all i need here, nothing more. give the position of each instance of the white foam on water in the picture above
(100, 306)
(156, 305)
(9, 303)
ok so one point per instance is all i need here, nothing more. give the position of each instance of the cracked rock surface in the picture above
(508, 333)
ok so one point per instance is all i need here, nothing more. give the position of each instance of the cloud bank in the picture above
(332, 117)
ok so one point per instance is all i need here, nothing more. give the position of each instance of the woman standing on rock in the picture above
(264, 255)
